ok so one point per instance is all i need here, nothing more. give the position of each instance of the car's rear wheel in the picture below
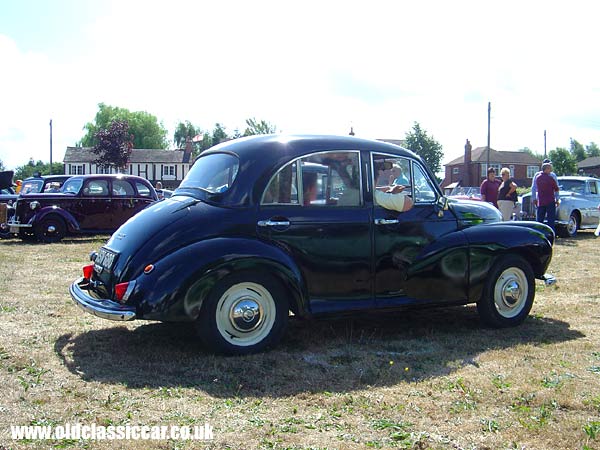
(508, 294)
(50, 229)
(245, 313)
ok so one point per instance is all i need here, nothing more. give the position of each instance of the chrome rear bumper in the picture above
(104, 308)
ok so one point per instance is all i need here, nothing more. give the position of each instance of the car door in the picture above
(589, 212)
(124, 203)
(413, 262)
(313, 208)
(93, 206)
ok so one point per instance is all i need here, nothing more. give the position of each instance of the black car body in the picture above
(84, 204)
(241, 243)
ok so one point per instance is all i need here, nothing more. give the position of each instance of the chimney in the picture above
(467, 171)
(187, 153)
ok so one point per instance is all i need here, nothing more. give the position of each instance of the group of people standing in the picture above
(503, 193)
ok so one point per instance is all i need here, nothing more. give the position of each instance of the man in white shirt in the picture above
(393, 197)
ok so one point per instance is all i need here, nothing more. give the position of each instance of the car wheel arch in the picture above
(70, 221)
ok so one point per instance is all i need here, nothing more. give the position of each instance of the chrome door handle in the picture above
(386, 221)
(273, 223)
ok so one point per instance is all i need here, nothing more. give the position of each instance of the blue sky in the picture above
(307, 67)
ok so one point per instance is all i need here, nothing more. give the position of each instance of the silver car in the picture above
(578, 207)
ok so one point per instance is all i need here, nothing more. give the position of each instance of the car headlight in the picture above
(34, 205)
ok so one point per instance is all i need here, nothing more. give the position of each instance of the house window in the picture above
(75, 169)
(484, 167)
(168, 172)
(531, 171)
(455, 170)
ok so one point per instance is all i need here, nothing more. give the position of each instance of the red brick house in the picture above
(589, 166)
(471, 168)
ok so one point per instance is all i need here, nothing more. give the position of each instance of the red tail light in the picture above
(124, 290)
(88, 271)
(120, 290)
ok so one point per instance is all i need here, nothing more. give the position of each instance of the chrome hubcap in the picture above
(51, 229)
(511, 292)
(245, 315)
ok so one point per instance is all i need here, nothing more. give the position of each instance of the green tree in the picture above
(114, 145)
(258, 127)
(577, 151)
(563, 162)
(146, 130)
(41, 167)
(219, 135)
(425, 146)
(532, 153)
(183, 131)
(592, 150)
(1, 165)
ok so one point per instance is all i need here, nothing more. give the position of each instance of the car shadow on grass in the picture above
(315, 356)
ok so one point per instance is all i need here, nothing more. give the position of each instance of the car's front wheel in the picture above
(570, 230)
(50, 229)
(245, 313)
(508, 294)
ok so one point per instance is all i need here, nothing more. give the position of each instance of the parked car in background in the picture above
(43, 183)
(7, 192)
(466, 193)
(84, 204)
(245, 239)
(578, 206)
(7, 197)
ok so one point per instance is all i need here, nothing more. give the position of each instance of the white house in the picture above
(167, 166)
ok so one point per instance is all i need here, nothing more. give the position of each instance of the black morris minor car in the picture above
(84, 204)
(264, 226)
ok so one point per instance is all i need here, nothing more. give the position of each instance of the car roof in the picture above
(109, 175)
(577, 178)
(261, 155)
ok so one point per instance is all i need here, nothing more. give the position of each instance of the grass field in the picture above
(420, 379)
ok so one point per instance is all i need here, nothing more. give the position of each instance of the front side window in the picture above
(142, 189)
(214, 173)
(318, 180)
(96, 188)
(423, 190)
(72, 186)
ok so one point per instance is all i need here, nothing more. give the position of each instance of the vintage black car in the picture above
(262, 226)
(84, 204)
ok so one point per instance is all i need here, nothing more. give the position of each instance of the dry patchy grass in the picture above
(418, 379)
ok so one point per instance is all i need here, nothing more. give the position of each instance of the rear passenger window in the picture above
(122, 188)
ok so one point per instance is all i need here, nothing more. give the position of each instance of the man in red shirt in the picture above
(489, 188)
(546, 187)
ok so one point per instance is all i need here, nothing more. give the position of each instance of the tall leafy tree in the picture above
(40, 167)
(425, 146)
(592, 150)
(219, 135)
(254, 126)
(563, 162)
(146, 130)
(183, 132)
(114, 145)
(577, 151)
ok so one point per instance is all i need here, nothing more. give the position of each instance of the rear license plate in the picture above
(105, 259)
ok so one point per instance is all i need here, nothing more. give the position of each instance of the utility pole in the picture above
(544, 144)
(50, 146)
(488, 137)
